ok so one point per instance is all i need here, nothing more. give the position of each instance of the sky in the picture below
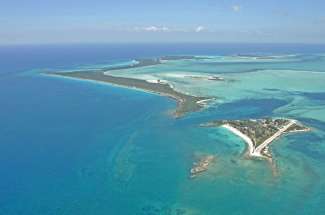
(152, 21)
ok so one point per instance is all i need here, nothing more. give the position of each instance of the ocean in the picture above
(78, 147)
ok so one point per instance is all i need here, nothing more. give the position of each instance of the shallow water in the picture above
(77, 147)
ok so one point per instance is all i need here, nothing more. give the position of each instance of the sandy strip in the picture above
(204, 101)
(251, 147)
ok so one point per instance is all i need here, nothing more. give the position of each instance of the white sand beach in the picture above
(257, 151)
(250, 144)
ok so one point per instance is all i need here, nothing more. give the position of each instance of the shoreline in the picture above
(185, 103)
(260, 151)
(268, 141)
(250, 145)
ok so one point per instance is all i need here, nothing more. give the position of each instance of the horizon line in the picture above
(161, 43)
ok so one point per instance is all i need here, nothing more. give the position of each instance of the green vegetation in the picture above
(185, 103)
(258, 130)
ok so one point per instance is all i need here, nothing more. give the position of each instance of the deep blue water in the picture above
(72, 147)
(23, 57)
(51, 129)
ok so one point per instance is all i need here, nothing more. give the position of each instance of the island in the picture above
(259, 133)
(201, 165)
(144, 62)
(137, 63)
(183, 57)
(204, 77)
(185, 103)
(256, 57)
(179, 57)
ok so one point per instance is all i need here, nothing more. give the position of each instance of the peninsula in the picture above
(259, 133)
(185, 103)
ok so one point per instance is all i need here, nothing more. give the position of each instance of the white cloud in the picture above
(236, 8)
(199, 29)
(156, 28)
(152, 28)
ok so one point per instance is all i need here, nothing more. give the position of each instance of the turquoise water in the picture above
(77, 147)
